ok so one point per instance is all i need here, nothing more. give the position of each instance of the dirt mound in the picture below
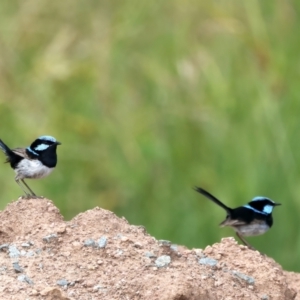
(100, 256)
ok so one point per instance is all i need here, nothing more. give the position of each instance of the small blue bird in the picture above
(252, 219)
(34, 162)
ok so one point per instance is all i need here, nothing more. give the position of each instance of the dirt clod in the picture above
(100, 256)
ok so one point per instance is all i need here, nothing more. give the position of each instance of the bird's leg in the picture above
(32, 193)
(26, 194)
(244, 241)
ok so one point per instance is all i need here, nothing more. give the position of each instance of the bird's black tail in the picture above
(212, 198)
(7, 151)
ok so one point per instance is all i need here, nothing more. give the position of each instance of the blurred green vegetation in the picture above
(150, 98)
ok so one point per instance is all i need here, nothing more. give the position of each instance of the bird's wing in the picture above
(235, 222)
(21, 152)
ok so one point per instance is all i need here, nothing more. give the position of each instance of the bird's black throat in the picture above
(48, 157)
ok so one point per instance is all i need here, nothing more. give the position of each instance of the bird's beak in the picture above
(277, 204)
(58, 143)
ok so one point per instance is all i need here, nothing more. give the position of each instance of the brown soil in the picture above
(100, 256)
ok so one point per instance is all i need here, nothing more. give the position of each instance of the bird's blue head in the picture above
(262, 205)
(42, 144)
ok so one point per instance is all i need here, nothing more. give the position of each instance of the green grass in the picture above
(152, 98)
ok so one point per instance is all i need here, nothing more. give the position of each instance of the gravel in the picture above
(25, 278)
(62, 282)
(102, 242)
(207, 261)
(163, 261)
(248, 279)
(164, 242)
(50, 238)
(4, 246)
(150, 254)
(17, 267)
(13, 251)
(89, 243)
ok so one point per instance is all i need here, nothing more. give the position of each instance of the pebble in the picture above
(207, 261)
(229, 240)
(61, 228)
(118, 253)
(17, 267)
(89, 243)
(25, 245)
(248, 279)
(91, 267)
(13, 251)
(102, 242)
(124, 238)
(4, 246)
(62, 282)
(138, 245)
(162, 261)
(150, 254)
(76, 244)
(174, 247)
(218, 256)
(49, 238)
(164, 242)
(89, 283)
(25, 278)
(49, 291)
(218, 283)
(98, 287)
(30, 254)
(208, 250)
(199, 252)
(34, 293)
(66, 254)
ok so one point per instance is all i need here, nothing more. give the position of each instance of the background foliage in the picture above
(150, 98)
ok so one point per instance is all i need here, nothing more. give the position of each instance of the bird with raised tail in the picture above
(254, 218)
